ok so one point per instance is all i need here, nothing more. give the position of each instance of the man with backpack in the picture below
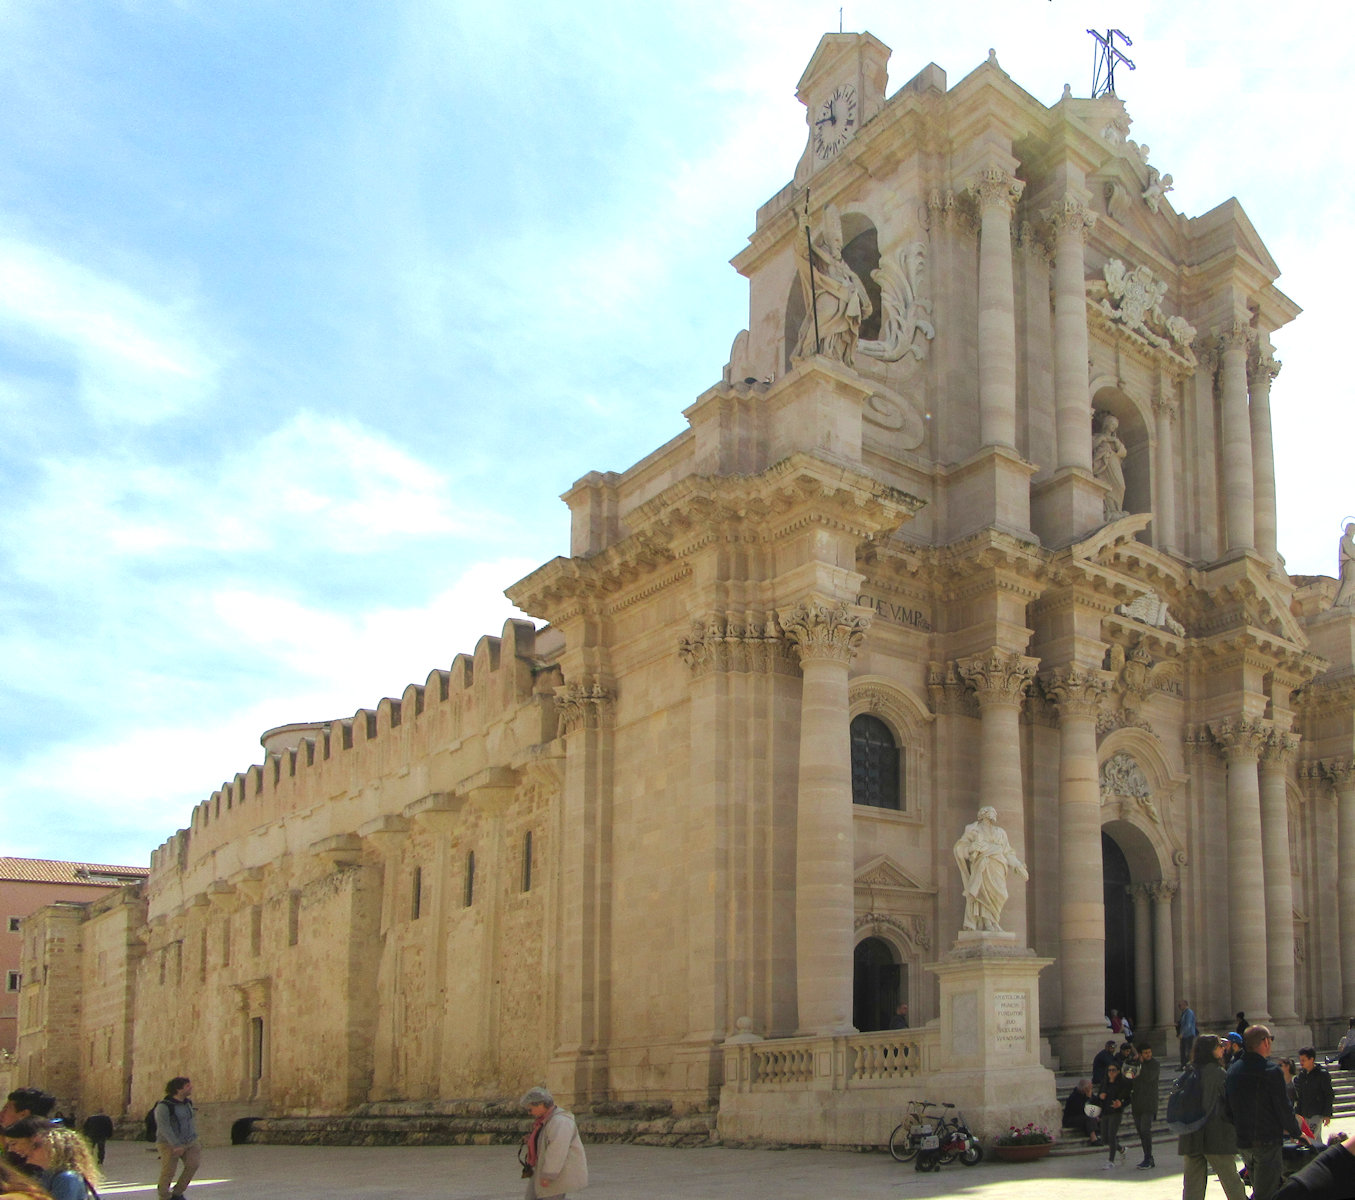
(1261, 1113)
(176, 1137)
(1197, 1112)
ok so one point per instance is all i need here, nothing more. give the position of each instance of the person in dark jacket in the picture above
(1261, 1112)
(1143, 1099)
(98, 1128)
(1113, 1097)
(1330, 1176)
(1214, 1144)
(1105, 1056)
(1314, 1098)
(1075, 1111)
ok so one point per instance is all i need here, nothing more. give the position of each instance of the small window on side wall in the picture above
(527, 861)
(468, 896)
(877, 764)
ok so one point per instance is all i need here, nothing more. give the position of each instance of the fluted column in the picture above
(1164, 957)
(826, 637)
(1342, 774)
(1143, 951)
(1077, 693)
(997, 193)
(1072, 405)
(1279, 879)
(1242, 739)
(1238, 487)
(1263, 367)
(999, 679)
(1165, 411)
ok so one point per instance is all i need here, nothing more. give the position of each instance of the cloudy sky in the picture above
(311, 309)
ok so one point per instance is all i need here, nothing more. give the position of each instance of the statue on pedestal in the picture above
(984, 854)
(1108, 454)
(1345, 594)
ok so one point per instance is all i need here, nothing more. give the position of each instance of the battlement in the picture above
(491, 706)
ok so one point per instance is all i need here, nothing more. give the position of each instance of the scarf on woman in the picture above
(534, 1136)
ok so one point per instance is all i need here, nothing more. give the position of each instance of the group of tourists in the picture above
(47, 1158)
(1124, 1080)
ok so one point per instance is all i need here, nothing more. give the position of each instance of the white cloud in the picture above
(139, 359)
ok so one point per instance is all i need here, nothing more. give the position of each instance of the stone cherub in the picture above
(984, 855)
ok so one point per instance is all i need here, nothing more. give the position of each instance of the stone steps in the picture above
(471, 1124)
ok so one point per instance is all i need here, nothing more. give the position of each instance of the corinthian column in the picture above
(1242, 739)
(1164, 960)
(826, 637)
(1238, 493)
(1263, 367)
(1141, 894)
(1165, 524)
(997, 193)
(1342, 774)
(1072, 406)
(999, 679)
(1279, 879)
(1077, 693)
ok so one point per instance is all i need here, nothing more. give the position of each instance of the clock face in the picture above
(835, 122)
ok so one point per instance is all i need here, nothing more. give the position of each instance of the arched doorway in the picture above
(879, 985)
(1120, 964)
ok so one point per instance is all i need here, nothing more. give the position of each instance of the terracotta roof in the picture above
(45, 870)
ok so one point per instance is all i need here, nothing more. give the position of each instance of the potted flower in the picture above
(1024, 1144)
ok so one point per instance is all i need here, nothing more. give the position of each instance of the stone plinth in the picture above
(987, 1059)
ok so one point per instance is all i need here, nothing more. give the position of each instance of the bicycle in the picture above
(903, 1145)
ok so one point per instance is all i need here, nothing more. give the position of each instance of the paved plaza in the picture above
(491, 1173)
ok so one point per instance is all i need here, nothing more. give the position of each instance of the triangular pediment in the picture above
(883, 872)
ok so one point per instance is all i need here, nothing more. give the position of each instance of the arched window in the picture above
(876, 763)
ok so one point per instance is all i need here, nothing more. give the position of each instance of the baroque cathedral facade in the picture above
(982, 513)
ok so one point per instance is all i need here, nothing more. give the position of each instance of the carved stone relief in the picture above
(1133, 298)
(1123, 782)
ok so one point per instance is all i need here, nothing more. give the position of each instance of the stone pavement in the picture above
(626, 1171)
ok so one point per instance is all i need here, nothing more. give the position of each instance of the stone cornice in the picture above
(800, 492)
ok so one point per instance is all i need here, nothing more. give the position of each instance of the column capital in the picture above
(1077, 691)
(999, 677)
(1240, 738)
(1163, 890)
(824, 631)
(1166, 406)
(996, 188)
(742, 642)
(1262, 365)
(1070, 217)
(1278, 751)
(584, 706)
(1236, 337)
(1340, 772)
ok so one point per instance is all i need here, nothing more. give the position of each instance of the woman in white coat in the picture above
(554, 1152)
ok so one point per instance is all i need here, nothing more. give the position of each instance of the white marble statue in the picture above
(1345, 594)
(838, 295)
(1108, 454)
(984, 855)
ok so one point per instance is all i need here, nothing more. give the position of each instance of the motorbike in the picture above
(956, 1141)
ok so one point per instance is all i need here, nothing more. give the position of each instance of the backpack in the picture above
(1185, 1105)
(151, 1122)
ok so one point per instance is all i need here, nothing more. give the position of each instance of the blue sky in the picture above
(309, 311)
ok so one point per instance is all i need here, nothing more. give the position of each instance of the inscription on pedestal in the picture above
(1009, 1020)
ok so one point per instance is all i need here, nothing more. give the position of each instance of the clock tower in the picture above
(841, 89)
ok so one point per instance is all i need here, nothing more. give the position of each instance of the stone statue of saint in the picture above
(1345, 594)
(984, 854)
(1107, 464)
(838, 295)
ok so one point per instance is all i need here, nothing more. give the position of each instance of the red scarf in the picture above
(535, 1134)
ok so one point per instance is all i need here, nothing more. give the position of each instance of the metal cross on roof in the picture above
(1107, 56)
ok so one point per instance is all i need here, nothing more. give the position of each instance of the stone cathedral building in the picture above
(981, 512)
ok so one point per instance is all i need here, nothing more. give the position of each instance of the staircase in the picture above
(1069, 1144)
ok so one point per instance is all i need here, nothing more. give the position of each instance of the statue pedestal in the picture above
(988, 1060)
